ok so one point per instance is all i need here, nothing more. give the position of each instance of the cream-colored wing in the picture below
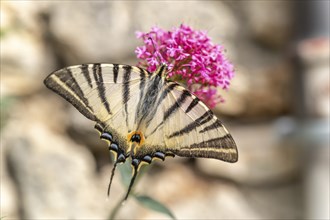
(105, 93)
(98, 91)
(189, 128)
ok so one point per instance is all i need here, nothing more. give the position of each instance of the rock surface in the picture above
(55, 178)
(263, 157)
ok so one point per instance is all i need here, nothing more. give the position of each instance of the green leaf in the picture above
(152, 204)
(126, 173)
(126, 176)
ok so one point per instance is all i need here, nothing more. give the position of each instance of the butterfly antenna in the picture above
(158, 55)
(135, 172)
(111, 177)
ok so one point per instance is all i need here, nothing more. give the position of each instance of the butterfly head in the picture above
(162, 70)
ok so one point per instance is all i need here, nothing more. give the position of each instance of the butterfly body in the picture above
(143, 115)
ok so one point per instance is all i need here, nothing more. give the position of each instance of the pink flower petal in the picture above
(189, 54)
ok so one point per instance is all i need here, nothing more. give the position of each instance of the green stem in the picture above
(122, 201)
(115, 211)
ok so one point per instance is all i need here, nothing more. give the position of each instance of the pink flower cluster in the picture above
(191, 58)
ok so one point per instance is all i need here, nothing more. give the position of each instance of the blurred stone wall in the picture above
(255, 35)
(53, 164)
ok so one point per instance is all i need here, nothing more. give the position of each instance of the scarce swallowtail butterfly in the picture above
(143, 115)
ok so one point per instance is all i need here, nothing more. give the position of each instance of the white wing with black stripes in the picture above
(188, 128)
(142, 115)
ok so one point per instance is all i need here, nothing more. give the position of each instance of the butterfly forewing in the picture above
(105, 93)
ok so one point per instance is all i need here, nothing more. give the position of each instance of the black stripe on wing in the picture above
(97, 73)
(171, 110)
(163, 95)
(223, 148)
(176, 105)
(206, 117)
(68, 79)
(126, 88)
(85, 71)
(63, 83)
(115, 72)
(193, 103)
(171, 86)
(225, 142)
(214, 125)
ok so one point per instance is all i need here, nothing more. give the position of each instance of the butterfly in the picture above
(143, 115)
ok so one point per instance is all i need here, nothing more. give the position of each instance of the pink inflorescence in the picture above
(191, 58)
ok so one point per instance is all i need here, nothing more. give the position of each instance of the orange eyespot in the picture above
(137, 137)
